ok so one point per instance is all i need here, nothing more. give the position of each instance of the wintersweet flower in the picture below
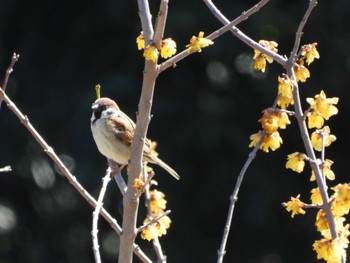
(331, 250)
(157, 202)
(301, 72)
(149, 232)
(272, 141)
(168, 48)
(316, 138)
(260, 58)
(285, 92)
(295, 206)
(321, 108)
(151, 53)
(296, 162)
(316, 197)
(309, 53)
(327, 172)
(272, 120)
(138, 184)
(140, 40)
(341, 202)
(197, 43)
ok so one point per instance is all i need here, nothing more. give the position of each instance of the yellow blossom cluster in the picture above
(157, 205)
(327, 248)
(261, 58)
(197, 43)
(332, 250)
(271, 121)
(321, 108)
(167, 48)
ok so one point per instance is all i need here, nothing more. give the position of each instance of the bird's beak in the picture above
(94, 107)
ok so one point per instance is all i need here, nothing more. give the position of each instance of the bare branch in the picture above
(299, 33)
(9, 70)
(228, 26)
(106, 179)
(71, 178)
(160, 23)
(5, 169)
(233, 200)
(153, 220)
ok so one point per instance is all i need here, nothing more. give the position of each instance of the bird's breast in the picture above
(108, 144)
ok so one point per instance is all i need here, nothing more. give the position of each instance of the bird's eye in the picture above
(109, 112)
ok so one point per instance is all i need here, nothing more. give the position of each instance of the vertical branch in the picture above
(160, 23)
(150, 74)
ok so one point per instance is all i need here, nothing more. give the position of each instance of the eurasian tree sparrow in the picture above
(113, 132)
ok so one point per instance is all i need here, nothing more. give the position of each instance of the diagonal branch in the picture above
(71, 178)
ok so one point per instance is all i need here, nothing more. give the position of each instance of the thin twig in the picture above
(9, 70)
(160, 23)
(71, 178)
(233, 200)
(153, 220)
(239, 34)
(227, 26)
(155, 241)
(299, 33)
(5, 169)
(96, 248)
(117, 175)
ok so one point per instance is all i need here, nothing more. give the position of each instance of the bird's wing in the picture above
(124, 128)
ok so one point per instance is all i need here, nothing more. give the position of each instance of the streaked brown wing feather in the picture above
(124, 128)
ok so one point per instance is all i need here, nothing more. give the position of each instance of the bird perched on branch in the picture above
(113, 132)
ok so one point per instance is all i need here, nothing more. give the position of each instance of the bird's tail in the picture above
(166, 167)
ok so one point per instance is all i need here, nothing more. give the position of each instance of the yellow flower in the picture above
(168, 48)
(321, 106)
(197, 43)
(315, 120)
(301, 72)
(330, 250)
(150, 232)
(327, 172)
(140, 40)
(138, 184)
(316, 197)
(321, 221)
(285, 92)
(255, 138)
(157, 202)
(260, 58)
(272, 120)
(341, 202)
(156, 229)
(272, 141)
(316, 138)
(296, 162)
(151, 53)
(309, 52)
(295, 206)
(260, 62)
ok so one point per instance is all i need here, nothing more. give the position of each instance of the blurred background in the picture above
(204, 111)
